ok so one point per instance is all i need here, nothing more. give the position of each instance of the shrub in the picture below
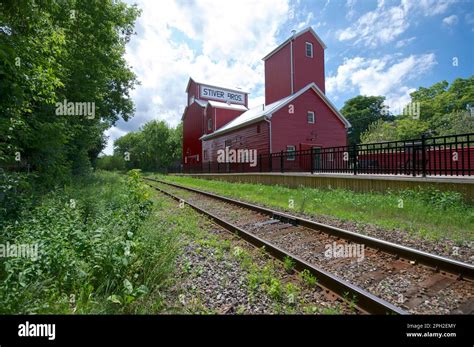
(87, 243)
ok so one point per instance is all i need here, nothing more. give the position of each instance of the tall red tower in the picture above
(294, 64)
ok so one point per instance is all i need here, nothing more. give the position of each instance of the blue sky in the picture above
(387, 48)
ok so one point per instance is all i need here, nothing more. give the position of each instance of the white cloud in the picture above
(405, 42)
(350, 4)
(451, 20)
(219, 42)
(385, 24)
(469, 19)
(432, 7)
(377, 27)
(114, 133)
(303, 24)
(385, 76)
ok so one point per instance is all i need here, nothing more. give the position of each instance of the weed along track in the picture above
(334, 287)
(380, 277)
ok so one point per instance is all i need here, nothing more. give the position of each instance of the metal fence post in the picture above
(270, 162)
(281, 161)
(354, 153)
(260, 162)
(423, 155)
(218, 167)
(413, 157)
(312, 160)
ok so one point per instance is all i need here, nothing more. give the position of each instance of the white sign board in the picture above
(222, 95)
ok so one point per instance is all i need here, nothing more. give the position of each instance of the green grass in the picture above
(428, 213)
(108, 244)
(104, 247)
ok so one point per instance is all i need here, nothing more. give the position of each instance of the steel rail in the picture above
(364, 300)
(438, 263)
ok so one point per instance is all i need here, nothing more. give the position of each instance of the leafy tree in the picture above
(52, 51)
(408, 128)
(361, 111)
(155, 147)
(111, 163)
(441, 104)
(444, 110)
(379, 131)
(461, 122)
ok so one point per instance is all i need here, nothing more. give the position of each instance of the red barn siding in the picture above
(278, 76)
(294, 129)
(438, 160)
(224, 116)
(245, 138)
(308, 70)
(193, 91)
(209, 114)
(220, 117)
(192, 131)
(286, 129)
(305, 69)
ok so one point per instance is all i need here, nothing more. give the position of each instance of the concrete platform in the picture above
(359, 183)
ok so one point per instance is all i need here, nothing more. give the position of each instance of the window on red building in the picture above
(209, 124)
(310, 115)
(291, 154)
(309, 49)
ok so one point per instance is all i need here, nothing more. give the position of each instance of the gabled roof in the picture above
(294, 37)
(225, 105)
(234, 89)
(217, 104)
(259, 113)
(200, 102)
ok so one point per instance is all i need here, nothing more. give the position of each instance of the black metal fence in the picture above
(435, 156)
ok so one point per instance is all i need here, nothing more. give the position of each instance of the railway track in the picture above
(381, 277)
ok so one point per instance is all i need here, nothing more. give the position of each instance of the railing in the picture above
(428, 156)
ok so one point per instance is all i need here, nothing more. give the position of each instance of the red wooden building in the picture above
(208, 108)
(297, 115)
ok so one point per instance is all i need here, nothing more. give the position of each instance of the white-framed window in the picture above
(309, 49)
(205, 154)
(209, 124)
(310, 115)
(290, 156)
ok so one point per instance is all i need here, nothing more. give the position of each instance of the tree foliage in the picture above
(51, 51)
(155, 147)
(361, 111)
(444, 110)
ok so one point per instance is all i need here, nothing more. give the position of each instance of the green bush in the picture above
(14, 195)
(87, 244)
(111, 163)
